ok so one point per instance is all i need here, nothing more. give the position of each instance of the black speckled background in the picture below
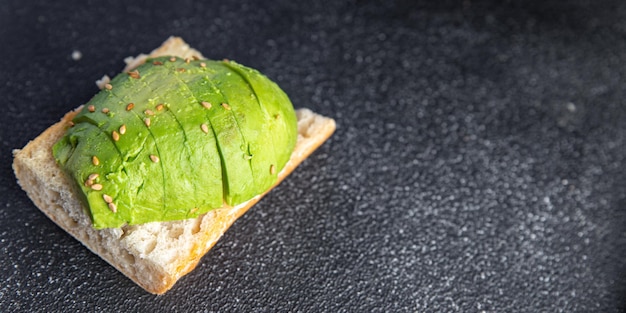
(478, 164)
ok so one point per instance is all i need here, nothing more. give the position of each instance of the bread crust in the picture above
(153, 255)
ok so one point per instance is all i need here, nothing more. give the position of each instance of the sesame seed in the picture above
(130, 106)
(113, 207)
(108, 86)
(154, 158)
(93, 176)
(95, 160)
(88, 183)
(206, 105)
(277, 116)
(134, 74)
(115, 135)
(71, 123)
(202, 64)
(180, 69)
(146, 121)
(204, 128)
(96, 187)
(272, 169)
(195, 57)
(172, 59)
(194, 210)
(148, 112)
(91, 108)
(157, 63)
(107, 198)
(159, 107)
(226, 106)
(123, 129)
(105, 110)
(187, 60)
(226, 60)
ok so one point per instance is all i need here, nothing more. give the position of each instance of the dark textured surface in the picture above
(477, 166)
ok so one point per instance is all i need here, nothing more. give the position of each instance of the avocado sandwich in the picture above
(150, 172)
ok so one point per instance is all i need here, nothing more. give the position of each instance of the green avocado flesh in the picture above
(175, 139)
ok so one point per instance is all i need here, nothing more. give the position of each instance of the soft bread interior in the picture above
(153, 255)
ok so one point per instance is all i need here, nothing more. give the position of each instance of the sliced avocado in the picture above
(91, 170)
(252, 120)
(148, 177)
(236, 171)
(202, 144)
(217, 133)
(283, 123)
(117, 116)
(131, 145)
(221, 122)
(179, 122)
(178, 177)
(173, 157)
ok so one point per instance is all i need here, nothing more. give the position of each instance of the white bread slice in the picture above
(154, 255)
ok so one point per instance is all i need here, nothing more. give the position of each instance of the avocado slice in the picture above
(93, 170)
(171, 154)
(143, 193)
(149, 177)
(237, 179)
(237, 176)
(283, 123)
(175, 139)
(160, 96)
(200, 166)
(252, 120)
